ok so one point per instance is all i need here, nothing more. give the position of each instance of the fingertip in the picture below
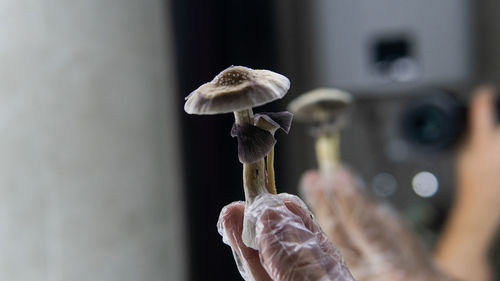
(485, 89)
(299, 208)
(234, 209)
(231, 219)
(311, 175)
(310, 184)
(294, 205)
(273, 219)
(481, 116)
(482, 97)
(309, 178)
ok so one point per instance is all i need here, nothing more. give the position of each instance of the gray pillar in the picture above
(89, 175)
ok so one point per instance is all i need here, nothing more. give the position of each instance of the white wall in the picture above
(89, 173)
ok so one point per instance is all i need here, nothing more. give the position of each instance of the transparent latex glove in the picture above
(373, 240)
(291, 245)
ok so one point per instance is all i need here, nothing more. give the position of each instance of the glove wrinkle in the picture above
(291, 245)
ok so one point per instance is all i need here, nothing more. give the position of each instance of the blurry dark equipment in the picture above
(394, 57)
(435, 121)
(380, 46)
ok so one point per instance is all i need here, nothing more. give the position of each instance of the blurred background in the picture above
(105, 177)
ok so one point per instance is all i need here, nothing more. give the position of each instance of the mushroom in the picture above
(238, 89)
(324, 108)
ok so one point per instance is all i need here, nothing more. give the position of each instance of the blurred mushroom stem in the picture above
(328, 151)
(270, 181)
(254, 174)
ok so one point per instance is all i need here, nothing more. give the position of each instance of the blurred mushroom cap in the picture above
(235, 89)
(320, 105)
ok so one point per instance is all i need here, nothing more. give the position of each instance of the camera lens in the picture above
(428, 126)
(434, 121)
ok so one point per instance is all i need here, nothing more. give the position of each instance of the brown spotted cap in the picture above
(237, 88)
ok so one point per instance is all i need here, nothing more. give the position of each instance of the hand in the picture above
(478, 162)
(374, 241)
(473, 220)
(291, 246)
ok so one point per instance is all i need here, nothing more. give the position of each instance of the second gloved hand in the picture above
(374, 240)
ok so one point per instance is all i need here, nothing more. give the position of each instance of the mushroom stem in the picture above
(270, 182)
(328, 151)
(254, 175)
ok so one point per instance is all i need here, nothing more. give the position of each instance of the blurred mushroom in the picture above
(375, 242)
(324, 109)
(237, 89)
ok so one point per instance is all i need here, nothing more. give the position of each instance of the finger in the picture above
(311, 189)
(285, 247)
(482, 115)
(326, 193)
(247, 259)
(291, 251)
(297, 207)
(314, 190)
(324, 203)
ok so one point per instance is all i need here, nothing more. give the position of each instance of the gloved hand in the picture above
(374, 241)
(291, 245)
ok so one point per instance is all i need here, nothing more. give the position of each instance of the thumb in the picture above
(482, 114)
(230, 226)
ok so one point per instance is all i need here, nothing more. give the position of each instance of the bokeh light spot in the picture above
(425, 184)
(384, 184)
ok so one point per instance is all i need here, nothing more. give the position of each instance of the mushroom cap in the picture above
(320, 105)
(235, 89)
